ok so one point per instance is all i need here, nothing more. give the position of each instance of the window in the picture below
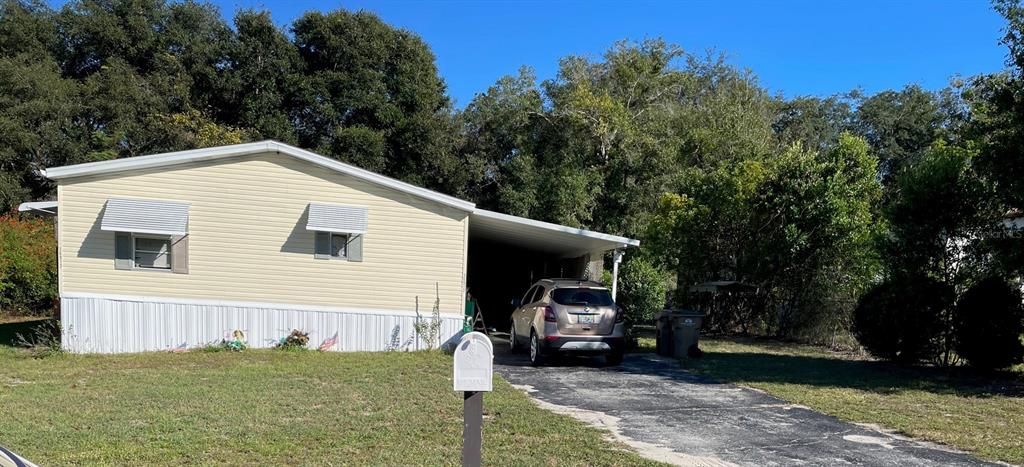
(528, 295)
(151, 252)
(539, 294)
(582, 296)
(339, 245)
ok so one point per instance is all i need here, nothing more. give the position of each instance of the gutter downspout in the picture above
(616, 259)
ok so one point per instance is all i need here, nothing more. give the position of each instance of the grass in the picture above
(980, 413)
(271, 407)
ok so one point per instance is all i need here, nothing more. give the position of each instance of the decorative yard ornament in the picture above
(473, 368)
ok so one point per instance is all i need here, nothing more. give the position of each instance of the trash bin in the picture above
(685, 327)
(663, 333)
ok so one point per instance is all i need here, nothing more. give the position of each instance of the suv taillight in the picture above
(549, 315)
(619, 315)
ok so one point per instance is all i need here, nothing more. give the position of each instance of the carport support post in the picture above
(472, 427)
(616, 259)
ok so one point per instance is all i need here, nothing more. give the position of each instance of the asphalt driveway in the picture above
(682, 418)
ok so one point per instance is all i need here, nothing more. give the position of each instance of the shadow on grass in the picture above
(9, 331)
(873, 376)
(776, 366)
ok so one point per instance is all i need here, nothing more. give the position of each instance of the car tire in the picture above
(536, 351)
(512, 344)
(614, 358)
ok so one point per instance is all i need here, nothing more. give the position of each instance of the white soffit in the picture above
(336, 218)
(221, 152)
(145, 216)
(542, 236)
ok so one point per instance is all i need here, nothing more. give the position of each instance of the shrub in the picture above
(42, 340)
(296, 340)
(901, 318)
(28, 265)
(989, 325)
(641, 290)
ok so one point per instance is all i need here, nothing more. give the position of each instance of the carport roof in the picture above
(542, 236)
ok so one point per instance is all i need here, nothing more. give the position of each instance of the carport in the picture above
(508, 253)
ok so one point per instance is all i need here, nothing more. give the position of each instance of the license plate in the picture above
(587, 319)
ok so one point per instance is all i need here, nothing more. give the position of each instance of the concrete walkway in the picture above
(677, 417)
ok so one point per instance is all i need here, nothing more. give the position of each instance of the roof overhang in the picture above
(39, 207)
(540, 236)
(238, 150)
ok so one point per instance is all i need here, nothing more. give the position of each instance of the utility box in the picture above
(677, 331)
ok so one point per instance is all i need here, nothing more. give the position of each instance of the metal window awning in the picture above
(145, 216)
(336, 218)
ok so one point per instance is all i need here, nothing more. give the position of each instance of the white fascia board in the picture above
(200, 155)
(155, 160)
(623, 241)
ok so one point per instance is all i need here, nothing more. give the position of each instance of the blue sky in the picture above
(794, 47)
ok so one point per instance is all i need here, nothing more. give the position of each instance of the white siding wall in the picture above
(112, 324)
(248, 239)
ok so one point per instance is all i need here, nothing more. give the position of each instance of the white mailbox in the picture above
(474, 360)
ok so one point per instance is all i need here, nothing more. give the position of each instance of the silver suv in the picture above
(567, 315)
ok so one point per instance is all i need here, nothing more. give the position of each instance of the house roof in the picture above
(236, 150)
(543, 236)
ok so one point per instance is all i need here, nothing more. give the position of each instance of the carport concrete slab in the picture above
(675, 416)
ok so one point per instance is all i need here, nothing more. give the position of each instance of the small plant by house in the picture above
(428, 330)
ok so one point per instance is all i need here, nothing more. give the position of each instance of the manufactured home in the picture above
(181, 249)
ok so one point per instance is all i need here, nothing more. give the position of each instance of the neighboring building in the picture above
(181, 249)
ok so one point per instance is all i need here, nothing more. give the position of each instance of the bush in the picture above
(901, 319)
(28, 265)
(989, 323)
(641, 290)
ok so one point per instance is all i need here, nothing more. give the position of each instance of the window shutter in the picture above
(322, 246)
(123, 250)
(354, 251)
(179, 254)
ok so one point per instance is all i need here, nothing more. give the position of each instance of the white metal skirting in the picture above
(114, 324)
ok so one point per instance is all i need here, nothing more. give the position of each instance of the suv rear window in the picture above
(582, 296)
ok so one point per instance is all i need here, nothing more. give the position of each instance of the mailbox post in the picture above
(474, 360)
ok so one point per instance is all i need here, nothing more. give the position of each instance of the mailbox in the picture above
(474, 361)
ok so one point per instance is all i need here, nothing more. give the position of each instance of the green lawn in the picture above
(979, 413)
(272, 407)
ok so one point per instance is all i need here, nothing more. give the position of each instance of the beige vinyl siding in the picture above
(248, 239)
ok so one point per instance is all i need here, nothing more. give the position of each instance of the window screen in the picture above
(339, 245)
(152, 253)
